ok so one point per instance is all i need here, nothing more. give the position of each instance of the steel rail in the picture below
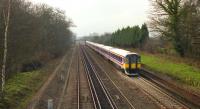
(192, 101)
(91, 85)
(103, 86)
(78, 80)
(98, 83)
(164, 93)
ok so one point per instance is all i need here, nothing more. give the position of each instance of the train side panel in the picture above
(108, 54)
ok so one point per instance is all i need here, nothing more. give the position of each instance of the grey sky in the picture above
(101, 16)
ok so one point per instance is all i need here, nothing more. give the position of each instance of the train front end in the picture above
(132, 64)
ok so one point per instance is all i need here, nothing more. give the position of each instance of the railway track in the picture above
(126, 96)
(84, 96)
(121, 101)
(191, 99)
(162, 98)
(78, 81)
(76, 93)
(100, 95)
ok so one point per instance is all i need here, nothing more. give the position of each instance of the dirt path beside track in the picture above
(52, 87)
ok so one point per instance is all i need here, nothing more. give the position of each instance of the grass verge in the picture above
(20, 88)
(182, 72)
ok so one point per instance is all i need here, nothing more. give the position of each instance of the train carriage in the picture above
(128, 61)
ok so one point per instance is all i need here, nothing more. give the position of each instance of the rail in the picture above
(100, 95)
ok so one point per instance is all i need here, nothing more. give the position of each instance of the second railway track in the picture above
(161, 97)
(101, 97)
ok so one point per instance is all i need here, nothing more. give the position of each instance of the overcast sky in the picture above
(101, 16)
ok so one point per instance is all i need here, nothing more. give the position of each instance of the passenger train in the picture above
(127, 61)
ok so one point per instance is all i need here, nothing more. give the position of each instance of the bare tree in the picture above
(6, 13)
(165, 20)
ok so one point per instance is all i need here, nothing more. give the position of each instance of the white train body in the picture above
(128, 61)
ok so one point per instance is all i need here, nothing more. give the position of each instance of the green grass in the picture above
(20, 88)
(182, 72)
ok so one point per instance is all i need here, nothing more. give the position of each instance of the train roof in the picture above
(112, 49)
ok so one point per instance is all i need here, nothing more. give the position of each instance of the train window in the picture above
(118, 58)
(133, 58)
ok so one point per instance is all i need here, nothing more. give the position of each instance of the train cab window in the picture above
(133, 59)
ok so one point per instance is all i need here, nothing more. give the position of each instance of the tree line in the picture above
(130, 36)
(125, 37)
(36, 34)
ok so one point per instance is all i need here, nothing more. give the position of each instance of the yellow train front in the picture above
(132, 64)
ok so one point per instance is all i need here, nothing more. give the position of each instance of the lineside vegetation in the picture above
(35, 35)
(179, 71)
